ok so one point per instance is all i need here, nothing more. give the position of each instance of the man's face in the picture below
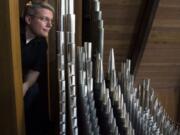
(41, 22)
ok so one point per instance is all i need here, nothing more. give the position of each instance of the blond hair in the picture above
(31, 7)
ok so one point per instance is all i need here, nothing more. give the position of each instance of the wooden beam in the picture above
(53, 92)
(142, 30)
(178, 110)
(86, 20)
(11, 96)
(78, 13)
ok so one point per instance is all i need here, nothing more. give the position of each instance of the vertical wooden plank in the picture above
(21, 7)
(11, 96)
(178, 110)
(16, 59)
(78, 12)
(53, 92)
(86, 21)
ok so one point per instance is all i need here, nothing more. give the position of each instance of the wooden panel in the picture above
(119, 20)
(161, 59)
(169, 98)
(121, 2)
(166, 36)
(78, 12)
(120, 11)
(11, 96)
(162, 76)
(53, 92)
(119, 28)
(166, 12)
(170, 3)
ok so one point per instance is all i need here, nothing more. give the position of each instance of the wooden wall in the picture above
(120, 18)
(161, 58)
(11, 96)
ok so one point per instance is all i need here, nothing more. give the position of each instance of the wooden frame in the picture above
(11, 96)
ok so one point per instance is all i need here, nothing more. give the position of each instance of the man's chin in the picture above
(46, 35)
(43, 35)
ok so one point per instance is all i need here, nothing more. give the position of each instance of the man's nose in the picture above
(49, 23)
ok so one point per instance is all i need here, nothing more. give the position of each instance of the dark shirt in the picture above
(33, 53)
(34, 57)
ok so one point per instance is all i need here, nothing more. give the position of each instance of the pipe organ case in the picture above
(92, 103)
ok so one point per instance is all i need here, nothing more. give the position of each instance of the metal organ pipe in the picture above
(90, 103)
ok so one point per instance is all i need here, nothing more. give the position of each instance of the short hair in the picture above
(31, 7)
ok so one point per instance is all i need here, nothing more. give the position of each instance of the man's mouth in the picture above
(46, 30)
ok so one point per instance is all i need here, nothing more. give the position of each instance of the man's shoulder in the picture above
(42, 42)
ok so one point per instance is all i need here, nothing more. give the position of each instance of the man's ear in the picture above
(28, 19)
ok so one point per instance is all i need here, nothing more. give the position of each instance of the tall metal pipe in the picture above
(113, 106)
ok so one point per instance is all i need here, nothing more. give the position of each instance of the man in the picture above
(35, 27)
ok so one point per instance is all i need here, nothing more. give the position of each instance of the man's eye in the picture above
(44, 19)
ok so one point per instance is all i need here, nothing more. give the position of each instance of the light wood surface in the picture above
(11, 97)
(161, 58)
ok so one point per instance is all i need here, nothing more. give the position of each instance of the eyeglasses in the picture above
(44, 19)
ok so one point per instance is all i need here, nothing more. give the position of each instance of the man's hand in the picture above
(31, 79)
(25, 88)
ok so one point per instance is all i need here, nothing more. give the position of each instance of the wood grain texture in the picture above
(119, 21)
(161, 59)
(169, 98)
(11, 97)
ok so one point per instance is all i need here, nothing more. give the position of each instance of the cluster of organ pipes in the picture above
(92, 103)
(66, 67)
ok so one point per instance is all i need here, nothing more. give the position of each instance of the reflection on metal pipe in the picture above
(90, 103)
